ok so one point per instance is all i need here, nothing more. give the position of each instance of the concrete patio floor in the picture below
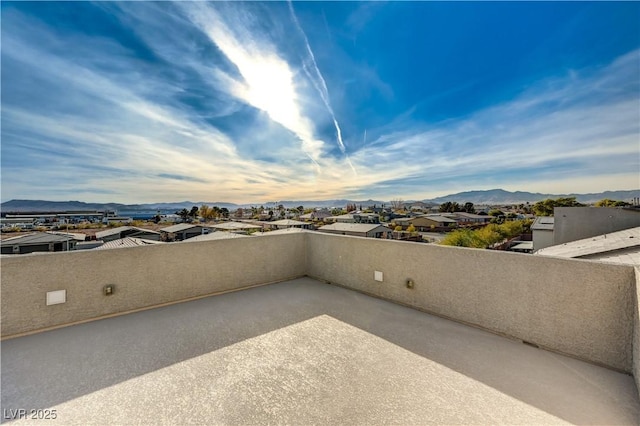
(301, 352)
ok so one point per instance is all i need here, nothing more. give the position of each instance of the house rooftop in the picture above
(302, 352)
(127, 242)
(215, 236)
(287, 222)
(36, 238)
(434, 217)
(180, 227)
(115, 231)
(352, 227)
(471, 215)
(290, 230)
(231, 226)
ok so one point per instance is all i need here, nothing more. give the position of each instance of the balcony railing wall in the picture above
(584, 309)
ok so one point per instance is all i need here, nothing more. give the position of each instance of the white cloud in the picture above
(578, 132)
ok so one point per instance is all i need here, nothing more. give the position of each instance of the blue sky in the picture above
(265, 101)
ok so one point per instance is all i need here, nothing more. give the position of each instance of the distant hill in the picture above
(17, 206)
(500, 196)
(492, 197)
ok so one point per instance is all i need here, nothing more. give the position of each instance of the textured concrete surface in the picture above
(302, 352)
(636, 329)
(143, 276)
(576, 307)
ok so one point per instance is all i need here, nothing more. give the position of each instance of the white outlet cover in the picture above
(56, 297)
(377, 275)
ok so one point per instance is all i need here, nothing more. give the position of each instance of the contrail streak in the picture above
(319, 83)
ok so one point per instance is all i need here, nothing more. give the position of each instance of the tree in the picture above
(240, 212)
(487, 236)
(398, 228)
(194, 212)
(606, 202)
(397, 204)
(184, 214)
(300, 209)
(451, 207)
(411, 228)
(469, 207)
(224, 212)
(545, 207)
(208, 213)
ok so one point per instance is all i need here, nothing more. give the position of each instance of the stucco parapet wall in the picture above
(143, 277)
(576, 307)
(580, 308)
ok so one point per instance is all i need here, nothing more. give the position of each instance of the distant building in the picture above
(370, 230)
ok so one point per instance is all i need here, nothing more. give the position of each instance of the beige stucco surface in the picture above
(302, 352)
(143, 277)
(636, 329)
(580, 308)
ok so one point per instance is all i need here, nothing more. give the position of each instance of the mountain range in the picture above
(490, 197)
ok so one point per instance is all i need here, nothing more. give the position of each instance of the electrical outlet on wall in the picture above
(377, 275)
(56, 297)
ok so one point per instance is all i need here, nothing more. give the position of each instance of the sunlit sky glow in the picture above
(252, 102)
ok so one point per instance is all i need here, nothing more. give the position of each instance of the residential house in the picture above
(316, 216)
(37, 242)
(355, 218)
(371, 230)
(287, 223)
(464, 218)
(183, 231)
(425, 223)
